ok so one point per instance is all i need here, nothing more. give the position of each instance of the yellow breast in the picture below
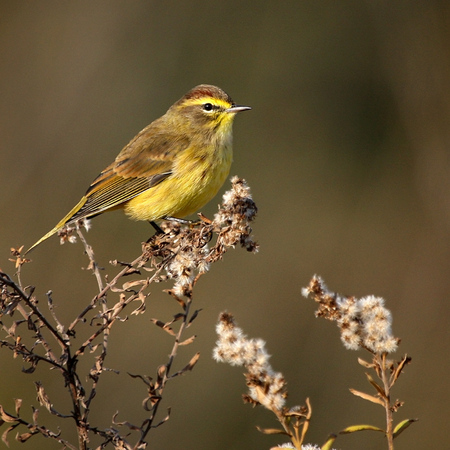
(197, 176)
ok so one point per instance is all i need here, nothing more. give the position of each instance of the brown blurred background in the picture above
(347, 151)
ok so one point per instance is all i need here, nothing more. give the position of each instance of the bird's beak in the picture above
(237, 108)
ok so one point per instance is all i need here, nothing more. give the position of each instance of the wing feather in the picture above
(146, 161)
(114, 192)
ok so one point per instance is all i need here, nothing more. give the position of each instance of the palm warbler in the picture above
(172, 168)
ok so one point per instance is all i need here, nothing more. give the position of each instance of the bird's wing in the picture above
(146, 161)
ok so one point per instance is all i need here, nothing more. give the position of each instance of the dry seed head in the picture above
(237, 211)
(364, 323)
(266, 387)
(185, 251)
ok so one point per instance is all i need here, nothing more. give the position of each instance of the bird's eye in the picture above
(207, 107)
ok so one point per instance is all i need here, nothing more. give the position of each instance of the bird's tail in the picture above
(60, 224)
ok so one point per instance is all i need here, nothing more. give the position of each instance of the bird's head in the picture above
(206, 108)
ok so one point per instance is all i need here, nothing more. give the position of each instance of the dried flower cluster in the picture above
(233, 218)
(364, 323)
(185, 251)
(266, 387)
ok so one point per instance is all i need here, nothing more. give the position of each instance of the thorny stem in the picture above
(82, 417)
(127, 269)
(92, 263)
(166, 377)
(231, 224)
(109, 318)
(27, 299)
(69, 372)
(112, 316)
(102, 294)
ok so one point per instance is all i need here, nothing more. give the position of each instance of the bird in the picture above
(171, 168)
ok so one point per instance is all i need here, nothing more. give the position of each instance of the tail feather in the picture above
(61, 224)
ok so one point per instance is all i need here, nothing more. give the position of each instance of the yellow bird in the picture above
(172, 168)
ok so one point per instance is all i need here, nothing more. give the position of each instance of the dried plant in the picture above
(265, 386)
(364, 324)
(181, 254)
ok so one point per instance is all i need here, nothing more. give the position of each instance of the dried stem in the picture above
(366, 324)
(389, 419)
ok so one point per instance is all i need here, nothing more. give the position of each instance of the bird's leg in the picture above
(156, 227)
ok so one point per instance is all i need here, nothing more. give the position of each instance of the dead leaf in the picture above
(271, 431)
(365, 396)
